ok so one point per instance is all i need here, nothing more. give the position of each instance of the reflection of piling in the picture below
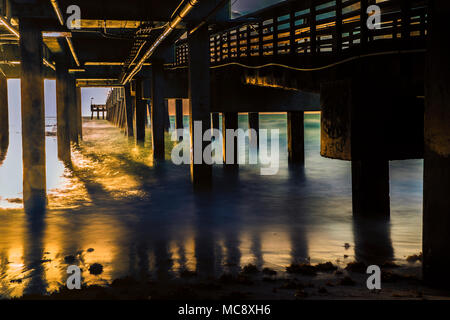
(73, 110)
(33, 116)
(129, 110)
(373, 244)
(33, 255)
(200, 102)
(166, 116)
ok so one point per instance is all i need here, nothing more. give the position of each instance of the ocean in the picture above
(116, 207)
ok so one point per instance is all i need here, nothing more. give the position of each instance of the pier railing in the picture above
(314, 27)
(115, 107)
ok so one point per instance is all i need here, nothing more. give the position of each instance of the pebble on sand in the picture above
(96, 269)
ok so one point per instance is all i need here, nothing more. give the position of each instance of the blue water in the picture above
(144, 219)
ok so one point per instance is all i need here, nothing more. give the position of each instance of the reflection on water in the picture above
(113, 206)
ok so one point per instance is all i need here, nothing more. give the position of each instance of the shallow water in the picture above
(143, 219)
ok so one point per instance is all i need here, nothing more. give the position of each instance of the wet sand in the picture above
(398, 283)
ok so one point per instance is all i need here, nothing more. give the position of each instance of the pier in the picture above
(383, 93)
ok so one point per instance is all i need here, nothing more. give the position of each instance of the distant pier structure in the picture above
(98, 108)
(383, 90)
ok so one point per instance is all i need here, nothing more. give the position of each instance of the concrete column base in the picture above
(370, 181)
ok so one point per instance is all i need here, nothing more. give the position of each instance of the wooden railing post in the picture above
(249, 46)
(338, 29)
(275, 35)
(229, 45)
(238, 42)
(394, 29)
(312, 26)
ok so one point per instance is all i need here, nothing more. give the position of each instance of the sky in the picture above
(242, 7)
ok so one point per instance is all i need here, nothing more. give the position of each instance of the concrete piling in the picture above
(296, 137)
(33, 117)
(370, 188)
(4, 117)
(199, 103)
(62, 110)
(158, 106)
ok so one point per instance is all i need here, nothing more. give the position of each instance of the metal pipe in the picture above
(72, 49)
(61, 21)
(167, 31)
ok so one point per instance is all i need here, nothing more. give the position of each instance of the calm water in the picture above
(145, 220)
